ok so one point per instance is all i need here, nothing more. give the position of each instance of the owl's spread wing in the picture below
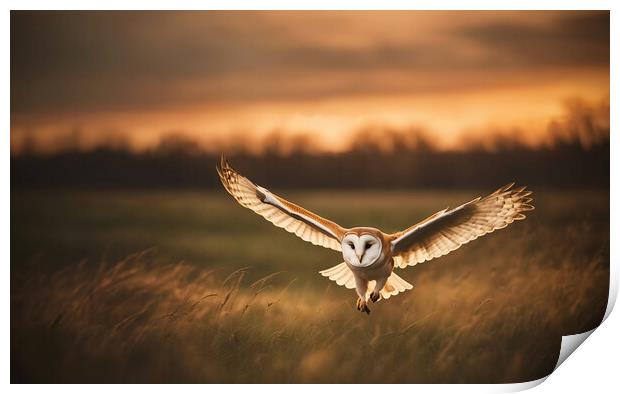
(447, 230)
(293, 218)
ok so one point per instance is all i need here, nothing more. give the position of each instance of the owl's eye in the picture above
(368, 245)
(351, 245)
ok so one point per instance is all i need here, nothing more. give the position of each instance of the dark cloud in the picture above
(572, 39)
(88, 61)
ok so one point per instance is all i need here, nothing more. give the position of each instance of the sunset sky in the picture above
(90, 78)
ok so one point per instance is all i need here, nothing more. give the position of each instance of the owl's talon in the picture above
(362, 306)
(374, 297)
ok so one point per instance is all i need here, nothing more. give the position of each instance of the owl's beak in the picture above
(359, 256)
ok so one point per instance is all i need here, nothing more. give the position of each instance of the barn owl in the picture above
(370, 255)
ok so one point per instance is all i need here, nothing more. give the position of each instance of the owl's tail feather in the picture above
(343, 276)
(394, 285)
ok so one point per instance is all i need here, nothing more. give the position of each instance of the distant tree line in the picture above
(577, 155)
(566, 164)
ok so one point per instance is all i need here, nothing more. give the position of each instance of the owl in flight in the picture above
(370, 255)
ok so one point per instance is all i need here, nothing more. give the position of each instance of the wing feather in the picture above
(447, 230)
(293, 218)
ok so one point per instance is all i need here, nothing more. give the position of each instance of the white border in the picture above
(594, 369)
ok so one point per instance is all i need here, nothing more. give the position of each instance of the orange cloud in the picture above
(213, 76)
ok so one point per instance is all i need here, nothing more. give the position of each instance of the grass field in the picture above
(190, 287)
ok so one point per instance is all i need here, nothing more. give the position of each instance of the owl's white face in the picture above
(361, 251)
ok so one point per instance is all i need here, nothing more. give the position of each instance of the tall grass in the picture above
(136, 321)
(249, 306)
